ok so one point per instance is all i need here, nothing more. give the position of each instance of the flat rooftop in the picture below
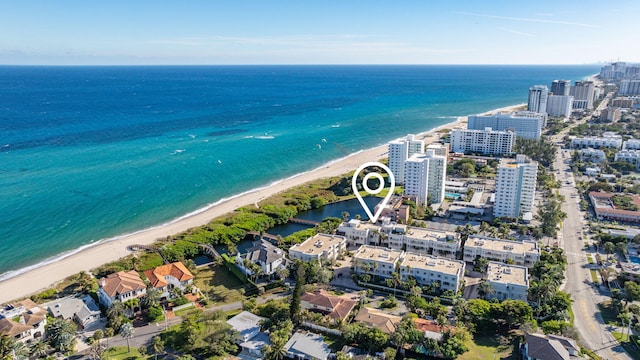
(375, 253)
(431, 234)
(433, 263)
(507, 274)
(318, 243)
(502, 245)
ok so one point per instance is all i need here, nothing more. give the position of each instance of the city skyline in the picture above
(251, 32)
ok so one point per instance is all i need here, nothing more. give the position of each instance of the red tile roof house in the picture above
(167, 277)
(121, 286)
(23, 321)
(604, 208)
(336, 307)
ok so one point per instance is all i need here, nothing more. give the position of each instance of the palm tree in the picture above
(485, 290)
(152, 298)
(132, 304)
(609, 248)
(127, 331)
(20, 351)
(157, 345)
(39, 348)
(484, 228)
(275, 351)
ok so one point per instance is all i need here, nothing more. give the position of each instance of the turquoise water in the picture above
(92, 153)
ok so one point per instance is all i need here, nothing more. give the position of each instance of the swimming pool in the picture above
(453, 196)
(634, 259)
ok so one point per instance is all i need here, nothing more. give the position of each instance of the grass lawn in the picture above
(485, 347)
(220, 285)
(120, 353)
(589, 259)
(608, 313)
(623, 339)
(594, 276)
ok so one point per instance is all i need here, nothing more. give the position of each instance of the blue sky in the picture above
(318, 32)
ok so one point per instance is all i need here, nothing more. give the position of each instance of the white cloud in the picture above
(512, 18)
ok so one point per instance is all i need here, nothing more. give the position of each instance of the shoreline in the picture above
(32, 279)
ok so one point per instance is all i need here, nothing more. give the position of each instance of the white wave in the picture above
(265, 137)
(178, 151)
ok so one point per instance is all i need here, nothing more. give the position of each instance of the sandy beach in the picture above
(43, 277)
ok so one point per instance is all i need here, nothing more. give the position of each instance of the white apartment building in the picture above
(487, 141)
(376, 261)
(507, 281)
(424, 178)
(428, 269)
(429, 241)
(523, 253)
(592, 155)
(515, 186)
(320, 248)
(359, 232)
(631, 144)
(583, 94)
(399, 151)
(560, 105)
(607, 140)
(560, 88)
(538, 98)
(525, 124)
(630, 156)
(439, 149)
(629, 87)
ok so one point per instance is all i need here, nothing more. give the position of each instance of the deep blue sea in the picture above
(90, 153)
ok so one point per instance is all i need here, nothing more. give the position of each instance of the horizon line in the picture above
(293, 64)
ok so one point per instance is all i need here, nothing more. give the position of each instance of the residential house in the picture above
(168, 277)
(320, 248)
(507, 281)
(304, 345)
(430, 328)
(24, 321)
(85, 312)
(549, 347)
(121, 286)
(252, 340)
(333, 306)
(524, 253)
(378, 319)
(270, 258)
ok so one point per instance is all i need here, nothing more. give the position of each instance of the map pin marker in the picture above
(354, 185)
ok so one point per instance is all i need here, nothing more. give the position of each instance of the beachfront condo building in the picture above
(507, 281)
(320, 248)
(515, 187)
(583, 94)
(399, 151)
(560, 105)
(538, 98)
(486, 142)
(561, 88)
(424, 178)
(523, 253)
(630, 156)
(629, 87)
(526, 124)
(427, 270)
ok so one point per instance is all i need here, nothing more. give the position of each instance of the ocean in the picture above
(92, 153)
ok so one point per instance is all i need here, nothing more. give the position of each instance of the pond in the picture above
(351, 206)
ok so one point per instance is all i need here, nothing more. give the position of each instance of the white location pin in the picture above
(354, 185)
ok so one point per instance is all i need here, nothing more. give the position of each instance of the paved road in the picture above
(588, 321)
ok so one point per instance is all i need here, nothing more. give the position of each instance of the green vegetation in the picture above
(624, 202)
(594, 276)
(121, 353)
(203, 333)
(486, 347)
(219, 284)
(543, 151)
